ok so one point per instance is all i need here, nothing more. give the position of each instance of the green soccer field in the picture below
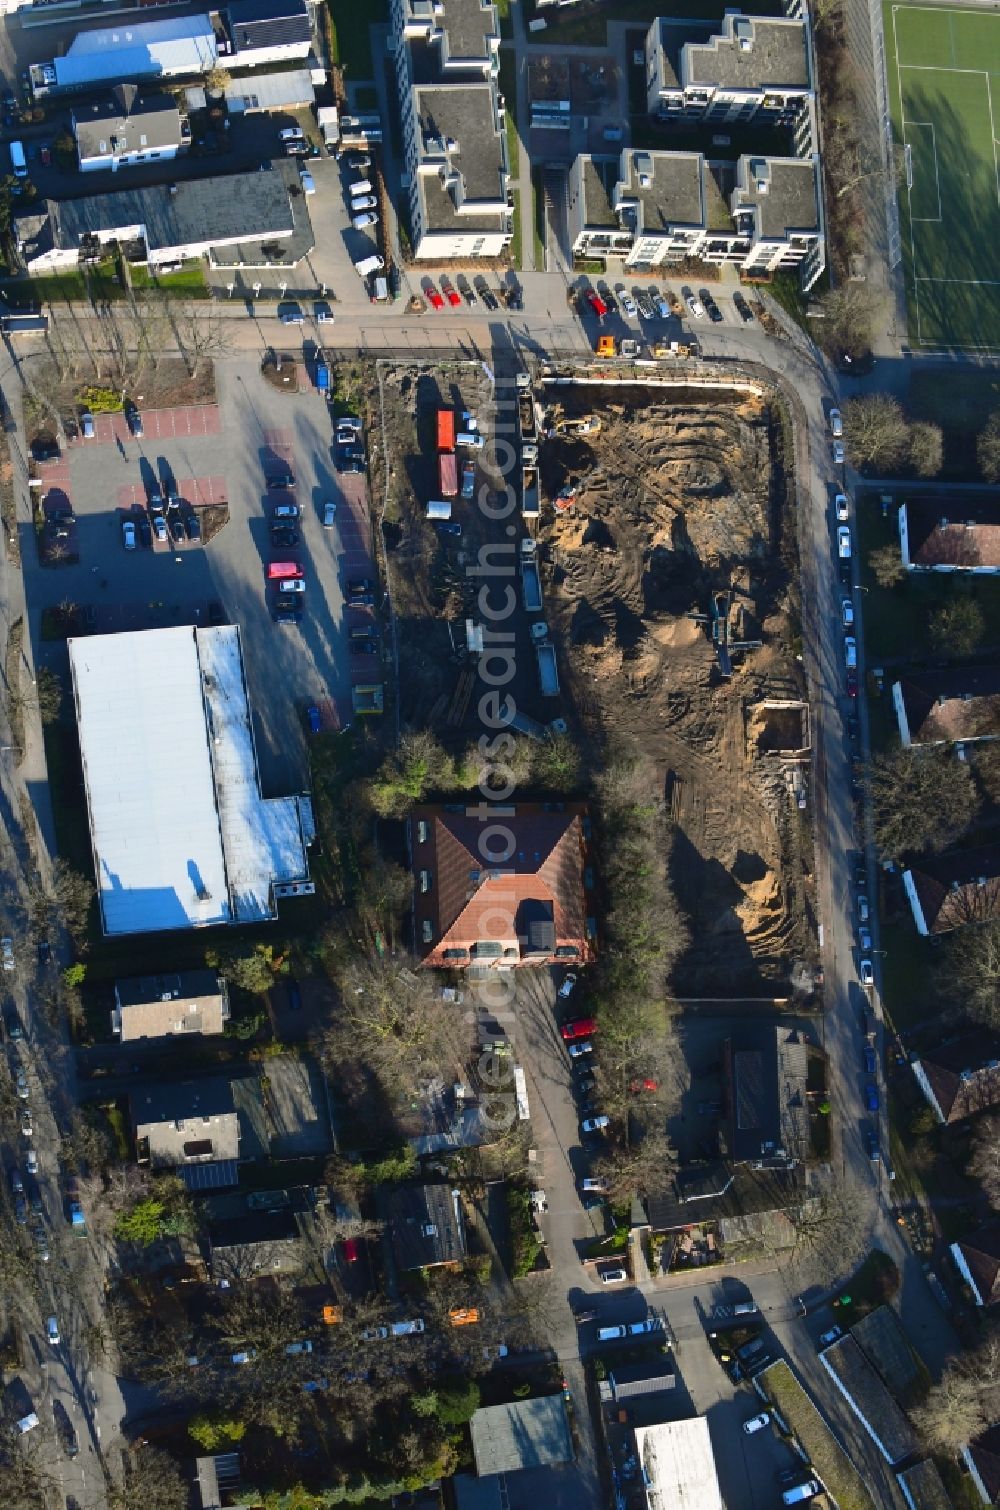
(944, 70)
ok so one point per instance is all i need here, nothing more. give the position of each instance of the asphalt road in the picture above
(72, 1284)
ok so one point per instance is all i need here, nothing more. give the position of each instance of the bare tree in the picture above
(849, 312)
(887, 566)
(963, 1402)
(201, 334)
(926, 448)
(151, 1480)
(988, 448)
(922, 800)
(957, 627)
(971, 963)
(984, 1163)
(876, 432)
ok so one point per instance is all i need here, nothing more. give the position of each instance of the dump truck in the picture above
(531, 582)
(446, 430)
(529, 492)
(605, 346)
(447, 474)
(526, 418)
(548, 671)
(367, 698)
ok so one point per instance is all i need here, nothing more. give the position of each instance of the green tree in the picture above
(922, 800)
(957, 628)
(254, 972)
(457, 1403)
(216, 1432)
(142, 1224)
(419, 766)
(988, 448)
(886, 564)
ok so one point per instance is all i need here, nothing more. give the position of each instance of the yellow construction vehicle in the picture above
(605, 346)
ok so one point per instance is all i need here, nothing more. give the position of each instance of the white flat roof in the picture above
(181, 835)
(679, 1465)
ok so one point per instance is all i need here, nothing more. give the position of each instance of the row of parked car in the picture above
(474, 292)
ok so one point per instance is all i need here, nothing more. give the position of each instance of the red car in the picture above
(852, 684)
(351, 1250)
(434, 299)
(596, 303)
(451, 293)
(580, 1027)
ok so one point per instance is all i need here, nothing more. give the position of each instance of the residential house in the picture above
(523, 1434)
(923, 1487)
(947, 707)
(961, 1076)
(268, 31)
(658, 208)
(982, 1458)
(130, 129)
(483, 907)
(677, 1465)
(950, 534)
(190, 218)
(868, 1398)
(187, 1126)
(456, 172)
(756, 68)
(977, 1259)
(426, 1225)
(167, 1006)
(955, 889)
(257, 1244)
(765, 1072)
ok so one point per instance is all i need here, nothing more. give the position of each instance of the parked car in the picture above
(827, 1337)
(286, 611)
(862, 907)
(159, 527)
(329, 514)
(836, 424)
(837, 452)
(595, 1124)
(757, 1423)
(360, 593)
(871, 1060)
(176, 524)
(245, 1355)
(364, 202)
(52, 1331)
(292, 584)
(193, 525)
(21, 1082)
(362, 222)
(285, 511)
(866, 973)
(87, 425)
(45, 448)
(613, 1276)
(284, 534)
(296, 1349)
(695, 306)
(7, 951)
(847, 613)
(871, 1096)
(864, 941)
(432, 296)
(626, 301)
(466, 290)
(134, 419)
(307, 182)
(576, 1050)
(742, 307)
(290, 314)
(579, 1027)
(566, 989)
(450, 292)
(596, 303)
(643, 305)
(12, 1023)
(850, 652)
(841, 505)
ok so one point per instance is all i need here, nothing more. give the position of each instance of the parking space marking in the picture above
(157, 424)
(280, 442)
(202, 490)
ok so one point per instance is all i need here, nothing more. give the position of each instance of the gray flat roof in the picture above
(673, 37)
(150, 123)
(462, 114)
(789, 205)
(752, 53)
(523, 1434)
(600, 175)
(674, 192)
(469, 24)
(240, 206)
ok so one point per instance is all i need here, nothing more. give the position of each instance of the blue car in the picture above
(871, 1097)
(871, 1063)
(313, 719)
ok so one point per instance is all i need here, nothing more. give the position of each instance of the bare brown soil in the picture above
(675, 501)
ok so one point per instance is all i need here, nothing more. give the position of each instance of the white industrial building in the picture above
(169, 49)
(678, 1465)
(181, 836)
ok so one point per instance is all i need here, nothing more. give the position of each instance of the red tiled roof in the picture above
(985, 1453)
(958, 888)
(530, 902)
(964, 1074)
(981, 1252)
(951, 705)
(954, 532)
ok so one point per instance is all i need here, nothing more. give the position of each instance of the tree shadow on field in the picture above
(962, 248)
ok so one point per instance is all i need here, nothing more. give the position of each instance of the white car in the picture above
(322, 313)
(52, 1331)
(566, 989)
(757, 1423)
(307, 181)
(595, 1124)
(599, 1187)
(362, 222)
(292, 584)
(850, 652)
(842, 507)
(696, 307)
(159, 527)
(31, 1159)
(7, 949)
(844, 543)
(862, 907)
(329, 514)
(836, 424)
(837, 452)
(847, 613)
(626, 301)
(247, 1355)
(866, 973)
(365, 202)
(576, 1049)
(128, 534)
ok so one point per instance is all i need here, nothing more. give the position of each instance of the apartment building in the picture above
(755, 69)
(453, 127)
(655, 209)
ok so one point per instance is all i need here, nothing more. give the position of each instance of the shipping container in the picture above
(278, 569)
(446, 429)
(439, 508)
(447, 474)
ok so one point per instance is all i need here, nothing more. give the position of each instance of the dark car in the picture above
(134, 421)
(193, 525)
(363, 647)
(145, 531)
(712, 309)
(294, 995)
(283, 479)
(360, 592)
(45, 448)
(13, 1023)
(447, 526)
(65, 1430)
(585, 1315)
(872, 1097)
(284, 534)
(742, 307)
(350, 465)
(287, 611)
(176, 524)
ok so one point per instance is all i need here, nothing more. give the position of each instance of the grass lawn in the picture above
(941, 102)
(189, 282)
(353, 38)
(53, 289)
(896, 619)
(538, 218)
(907, 976)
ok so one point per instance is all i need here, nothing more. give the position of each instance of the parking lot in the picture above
(259, 433)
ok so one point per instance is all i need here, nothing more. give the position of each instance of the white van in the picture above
(471, 438)
(439, 508)
(613, 1276)
(806, 1491)
(361, 187)
(18, 161)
